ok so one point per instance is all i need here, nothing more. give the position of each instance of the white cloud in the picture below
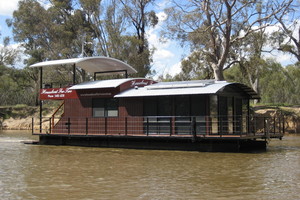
(282, 58)
(7, 7)
(174, 69)
(167, 54)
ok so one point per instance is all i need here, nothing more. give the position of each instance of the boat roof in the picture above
(185, 88)
(91, 64)
(113, 83)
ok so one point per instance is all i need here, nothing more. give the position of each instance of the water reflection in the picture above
(57, 172)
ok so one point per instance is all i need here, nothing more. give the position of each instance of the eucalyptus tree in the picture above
(214, 27)
(73, 28)
(9, 55)
(287, 37)
(140, 16)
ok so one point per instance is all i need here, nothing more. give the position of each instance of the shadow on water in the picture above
(288, 143)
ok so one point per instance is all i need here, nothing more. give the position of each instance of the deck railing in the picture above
(200, 126)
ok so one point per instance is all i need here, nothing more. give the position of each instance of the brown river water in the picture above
(63, 172)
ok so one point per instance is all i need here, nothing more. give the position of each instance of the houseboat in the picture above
(201, 115)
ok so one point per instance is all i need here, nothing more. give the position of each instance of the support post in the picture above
(126, 126)
(105, 125)
(69, 125)
(74, 74)
(86, 125)
(41, 103)
(147, 126)
(283, 125)
(170, 121)
(194, 129)
(50, 128)
(32, 125)
(274, 125)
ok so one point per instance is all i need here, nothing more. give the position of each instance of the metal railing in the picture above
(202, 126)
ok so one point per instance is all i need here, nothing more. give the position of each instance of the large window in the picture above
(105, 107)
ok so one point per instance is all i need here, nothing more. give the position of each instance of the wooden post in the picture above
(105, 125)
(274, 125)
(194, 129)
(50, 130)
(283, 125)
(126, 126)
(147, 126)
(171, 126)
(69, 125)
(86, 125)
(32, 126)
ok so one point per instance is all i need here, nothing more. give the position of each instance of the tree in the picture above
(9, 55)
(194, 68)
(249, 57)
(90, 27)
(287, 38)
(214, 27)
(138, 15)
(272, 75)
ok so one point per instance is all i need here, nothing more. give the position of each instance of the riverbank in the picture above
(291, 115)
(19, 117)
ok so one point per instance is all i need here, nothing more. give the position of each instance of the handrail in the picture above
(53, 115)
(207, 126)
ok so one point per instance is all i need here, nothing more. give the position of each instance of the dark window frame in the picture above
(107, 104)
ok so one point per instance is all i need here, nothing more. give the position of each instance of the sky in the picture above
(168, 54)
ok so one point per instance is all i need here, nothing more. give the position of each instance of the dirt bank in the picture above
(20, 117)
(291, 115)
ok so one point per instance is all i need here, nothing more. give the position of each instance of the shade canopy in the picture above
(91, 64)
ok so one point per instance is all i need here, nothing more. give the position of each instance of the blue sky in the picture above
(167, 56)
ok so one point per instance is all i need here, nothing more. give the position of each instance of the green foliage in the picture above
(86, 28)
(278, 85)
(15, 87)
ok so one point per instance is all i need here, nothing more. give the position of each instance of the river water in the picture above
(61, 172)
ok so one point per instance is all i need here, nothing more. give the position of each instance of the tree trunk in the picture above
(255, 87)
(218, 73)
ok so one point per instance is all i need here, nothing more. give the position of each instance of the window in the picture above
(164, 106)
(105, 108)
(150, 106)
(182, 105)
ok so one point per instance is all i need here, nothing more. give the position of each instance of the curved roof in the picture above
(113, 83)
(91, 64)
(186, 88)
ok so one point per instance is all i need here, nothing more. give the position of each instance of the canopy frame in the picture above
(95, 65)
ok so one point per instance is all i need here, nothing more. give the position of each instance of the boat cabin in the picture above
(143, 113)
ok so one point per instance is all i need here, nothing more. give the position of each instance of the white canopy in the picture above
(91, 64)
(113, 83)
(185, 88)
